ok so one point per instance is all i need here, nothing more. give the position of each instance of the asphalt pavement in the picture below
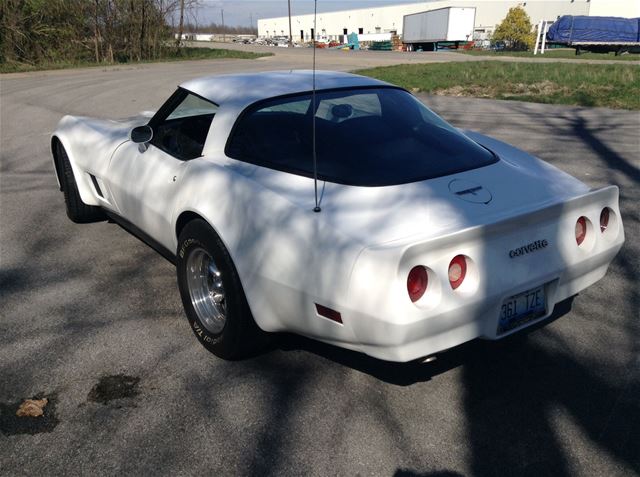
(91, 319)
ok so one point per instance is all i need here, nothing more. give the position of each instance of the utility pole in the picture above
(290, 35)
(224, 35)
(181, 25)
(196, 18)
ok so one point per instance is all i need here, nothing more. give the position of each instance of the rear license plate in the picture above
(522, 308)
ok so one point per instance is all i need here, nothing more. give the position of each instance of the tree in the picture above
(516, 30)
(49, 31)
(36, 31)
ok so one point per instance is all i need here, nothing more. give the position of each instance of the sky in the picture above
(242, 12)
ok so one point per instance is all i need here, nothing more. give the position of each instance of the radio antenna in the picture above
(313, 109)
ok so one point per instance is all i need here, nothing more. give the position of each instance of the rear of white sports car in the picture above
(418, 296)
(479, 254)
(460, 236)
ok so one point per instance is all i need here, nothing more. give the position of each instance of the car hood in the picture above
(91, 141)
(98, 134)
(101, 129)
(517, 184)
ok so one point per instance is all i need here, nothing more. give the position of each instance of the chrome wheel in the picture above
(206, 290)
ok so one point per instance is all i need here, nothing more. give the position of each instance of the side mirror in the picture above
(141, 134)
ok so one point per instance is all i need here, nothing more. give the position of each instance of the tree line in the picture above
(219, 28)
(52, 31)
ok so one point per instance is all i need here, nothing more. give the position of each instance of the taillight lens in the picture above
(457, 271)
(604, 219)
(581, 230)
(417, 282)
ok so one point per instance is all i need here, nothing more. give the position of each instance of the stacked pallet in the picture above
(396, 43)
(381, 46)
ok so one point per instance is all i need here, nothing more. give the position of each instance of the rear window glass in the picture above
(364, 137)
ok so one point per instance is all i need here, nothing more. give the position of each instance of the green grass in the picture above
(170, 54)
(554, 53)
(612, 86)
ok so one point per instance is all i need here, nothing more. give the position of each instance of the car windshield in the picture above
(364, 137)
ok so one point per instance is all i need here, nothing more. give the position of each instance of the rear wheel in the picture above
(77, 210)
(212, 295)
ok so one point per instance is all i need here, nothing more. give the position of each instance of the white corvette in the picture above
(423, 236)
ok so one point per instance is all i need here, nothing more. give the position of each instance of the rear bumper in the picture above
(392, 339)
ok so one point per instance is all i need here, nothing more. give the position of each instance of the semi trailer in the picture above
(450, 27)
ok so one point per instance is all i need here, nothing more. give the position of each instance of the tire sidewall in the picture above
(198, 234)
(76, 209)
(68, 181)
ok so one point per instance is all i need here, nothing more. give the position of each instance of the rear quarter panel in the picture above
(286, 256)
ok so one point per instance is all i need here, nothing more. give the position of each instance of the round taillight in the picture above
(604, 219)
(417, 282)
(457, 271)
(581, 230)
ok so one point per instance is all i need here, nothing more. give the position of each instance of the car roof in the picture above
(250, 87)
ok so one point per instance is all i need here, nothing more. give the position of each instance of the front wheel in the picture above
(212, 294)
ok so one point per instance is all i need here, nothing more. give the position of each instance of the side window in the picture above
(278, 130)
(183, 131)
(192, 105)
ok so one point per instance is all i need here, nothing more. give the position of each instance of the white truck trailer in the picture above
(448, 26)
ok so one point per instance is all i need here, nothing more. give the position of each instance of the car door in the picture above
(144, 178)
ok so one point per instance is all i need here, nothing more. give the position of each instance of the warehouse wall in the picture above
(617, 8)
(491, 13)
(333, 23)
(488, 14)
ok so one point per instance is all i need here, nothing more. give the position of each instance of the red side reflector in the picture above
(581, 230)
(328, 313)
(604, 219)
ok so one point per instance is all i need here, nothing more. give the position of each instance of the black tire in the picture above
(77, 210)
(239, 337)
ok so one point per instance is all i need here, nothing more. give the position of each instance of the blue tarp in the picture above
(582, 29)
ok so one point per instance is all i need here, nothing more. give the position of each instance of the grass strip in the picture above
(612, 86)
(553, 54)
(170, 54)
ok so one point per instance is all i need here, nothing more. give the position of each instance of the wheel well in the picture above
(56, 160)
(184, 218)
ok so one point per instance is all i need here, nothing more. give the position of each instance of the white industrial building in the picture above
(489, 13)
